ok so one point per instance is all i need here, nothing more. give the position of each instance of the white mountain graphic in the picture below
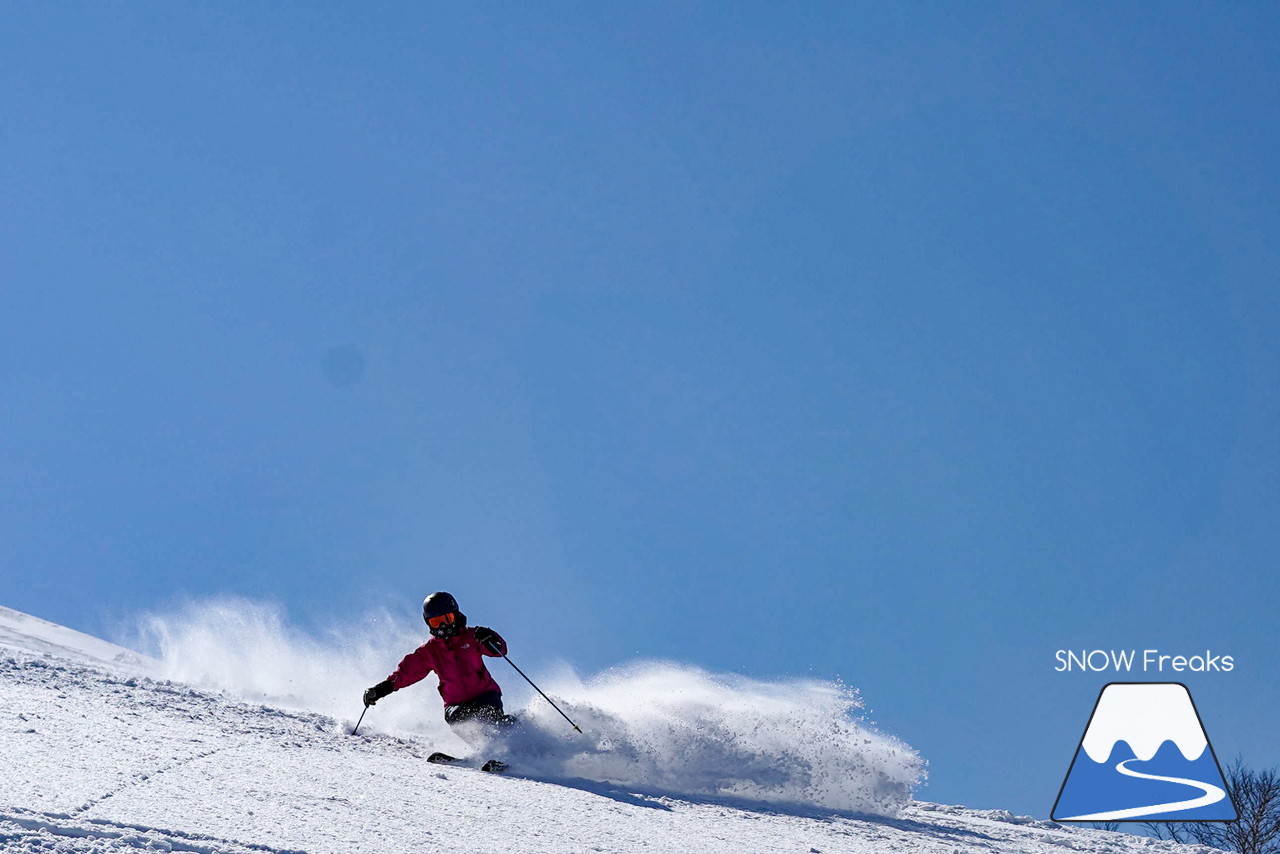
(1127, 767)
(1145, 715)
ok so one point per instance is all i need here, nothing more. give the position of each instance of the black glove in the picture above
(377, 692)
(487, 638)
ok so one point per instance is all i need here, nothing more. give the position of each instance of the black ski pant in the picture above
(485, 708)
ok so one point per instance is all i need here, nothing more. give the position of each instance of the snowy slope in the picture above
(96, 758)
(32, 633)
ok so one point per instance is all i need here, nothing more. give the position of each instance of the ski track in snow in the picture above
(94, 759)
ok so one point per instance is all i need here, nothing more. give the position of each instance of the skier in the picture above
(454, 653)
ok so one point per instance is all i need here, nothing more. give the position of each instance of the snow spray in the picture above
(653, 726)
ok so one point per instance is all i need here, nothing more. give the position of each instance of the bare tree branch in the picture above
(1257, 797)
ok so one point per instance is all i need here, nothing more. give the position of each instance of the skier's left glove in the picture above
(488, 638)
(377, 692)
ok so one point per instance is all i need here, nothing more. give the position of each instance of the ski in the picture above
(493, 766)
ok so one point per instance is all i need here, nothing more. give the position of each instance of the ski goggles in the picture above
(442, 620)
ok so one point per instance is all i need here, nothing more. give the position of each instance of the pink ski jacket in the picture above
(458, 663)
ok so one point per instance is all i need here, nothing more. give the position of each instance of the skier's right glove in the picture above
(377, 692)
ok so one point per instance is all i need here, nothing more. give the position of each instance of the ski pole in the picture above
(362, 714)
(494, 647)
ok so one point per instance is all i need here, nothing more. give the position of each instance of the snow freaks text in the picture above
(1146, 661)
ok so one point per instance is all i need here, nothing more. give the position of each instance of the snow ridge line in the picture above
(60, 824)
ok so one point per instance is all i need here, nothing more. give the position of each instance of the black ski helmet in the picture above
(437, 605)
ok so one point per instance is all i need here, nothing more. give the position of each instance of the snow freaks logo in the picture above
(1151, 661)
(1144, 757)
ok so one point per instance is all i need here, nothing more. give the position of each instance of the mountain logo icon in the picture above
(1144, 756)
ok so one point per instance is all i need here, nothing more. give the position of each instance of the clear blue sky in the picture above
(899, 343)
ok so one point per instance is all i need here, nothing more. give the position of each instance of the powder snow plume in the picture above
(249, 650)
(655, 726)
(675, 728)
